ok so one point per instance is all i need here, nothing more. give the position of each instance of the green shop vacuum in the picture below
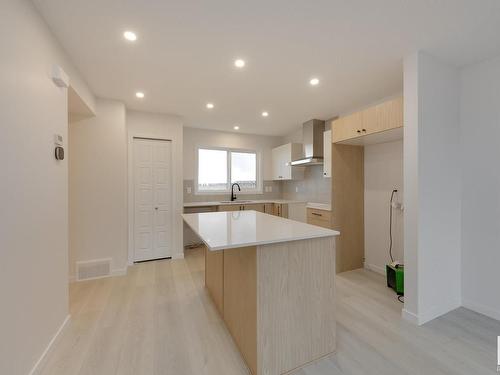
(395, 278)
(394, 271)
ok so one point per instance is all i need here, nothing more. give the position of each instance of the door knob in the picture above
(156, 208)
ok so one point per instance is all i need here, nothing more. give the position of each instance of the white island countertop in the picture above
(228, 230)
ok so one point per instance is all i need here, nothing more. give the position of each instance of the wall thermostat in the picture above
(59, 153)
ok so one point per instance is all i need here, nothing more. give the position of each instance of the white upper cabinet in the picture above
(327, 153)
(282, 157)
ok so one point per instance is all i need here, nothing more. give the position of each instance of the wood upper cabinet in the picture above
(381, 117)
(282, 156)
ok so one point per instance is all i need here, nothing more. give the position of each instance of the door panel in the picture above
(153, 204)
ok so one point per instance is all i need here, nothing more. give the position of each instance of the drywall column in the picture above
(432, 233)
(98, 187)
(480, 150)
(33, 188)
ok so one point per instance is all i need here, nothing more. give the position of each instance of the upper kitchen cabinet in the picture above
(282, 157)
(327, 153)
(382, 122)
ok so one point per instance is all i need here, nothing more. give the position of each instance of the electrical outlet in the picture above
(296, 189)
(188, 190)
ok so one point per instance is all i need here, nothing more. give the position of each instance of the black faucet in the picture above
(233, 197)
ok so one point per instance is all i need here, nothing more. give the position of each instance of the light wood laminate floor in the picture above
(159, 320)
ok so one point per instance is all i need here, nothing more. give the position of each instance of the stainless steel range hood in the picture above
(312, 143)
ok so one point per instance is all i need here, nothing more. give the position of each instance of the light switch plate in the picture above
(188, 190)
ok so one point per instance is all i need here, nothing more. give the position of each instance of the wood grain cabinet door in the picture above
(347, 127)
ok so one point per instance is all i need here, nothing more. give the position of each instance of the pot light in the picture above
(210, 105)
(265, 114)
(130, 36)
(236, 127)
(139, 95)
(239, 63)
(314, 81)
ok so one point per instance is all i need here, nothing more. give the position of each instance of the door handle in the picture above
(156, 208)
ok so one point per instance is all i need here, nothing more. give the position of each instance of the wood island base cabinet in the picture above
(277, 301)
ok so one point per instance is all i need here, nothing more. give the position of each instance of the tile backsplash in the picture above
(272, 190)
(313, 188)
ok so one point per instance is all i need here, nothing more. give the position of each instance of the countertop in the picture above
(319, 206)
(240, 201)
(228, 230)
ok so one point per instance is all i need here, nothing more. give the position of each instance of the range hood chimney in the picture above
(312, 143)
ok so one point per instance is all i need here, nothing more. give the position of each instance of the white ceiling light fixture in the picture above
(314, 81)
(130, 36)
(265, 114)
(239, 63)
(139, 95)
(210, 106)
(236, 127)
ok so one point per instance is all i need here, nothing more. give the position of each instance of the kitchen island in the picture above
(273, 282)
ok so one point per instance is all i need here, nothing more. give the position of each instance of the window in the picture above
(219, 168)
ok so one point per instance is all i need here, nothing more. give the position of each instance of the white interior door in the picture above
(152, 199)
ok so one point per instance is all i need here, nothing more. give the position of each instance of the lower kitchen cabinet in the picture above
(321, 218)
(280, 209)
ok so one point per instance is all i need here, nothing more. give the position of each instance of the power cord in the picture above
(390, 225)
(401, 297)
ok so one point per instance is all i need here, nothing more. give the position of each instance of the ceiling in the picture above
(184, 54)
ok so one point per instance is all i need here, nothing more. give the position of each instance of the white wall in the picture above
(210, 138)
(98, 187)
(34, 188)
(147, 125)
(432, 188)
(383, 172)
(480, 156)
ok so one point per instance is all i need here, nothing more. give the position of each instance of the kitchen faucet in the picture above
(233, 197)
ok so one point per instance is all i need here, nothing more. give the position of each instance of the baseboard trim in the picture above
(429, 315)
(375, 268)
(481, 309)
(37, 368)
(115, 272)
(438, 311)
(409, 316)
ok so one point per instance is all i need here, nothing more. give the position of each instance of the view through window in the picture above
(219, 168)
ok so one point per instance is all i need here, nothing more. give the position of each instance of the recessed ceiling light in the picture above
(239, 63)
(130, 36)
(265, 114)
(236, 127)
(139, 94)
(314, 81)
(210, 105)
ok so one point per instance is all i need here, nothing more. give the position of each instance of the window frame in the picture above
(229, 150)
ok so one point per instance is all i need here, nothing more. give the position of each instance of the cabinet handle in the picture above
(316, 214)
(364, 130)
(359, 131)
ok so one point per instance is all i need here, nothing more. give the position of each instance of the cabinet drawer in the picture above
(319, 223)
(319, 215)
